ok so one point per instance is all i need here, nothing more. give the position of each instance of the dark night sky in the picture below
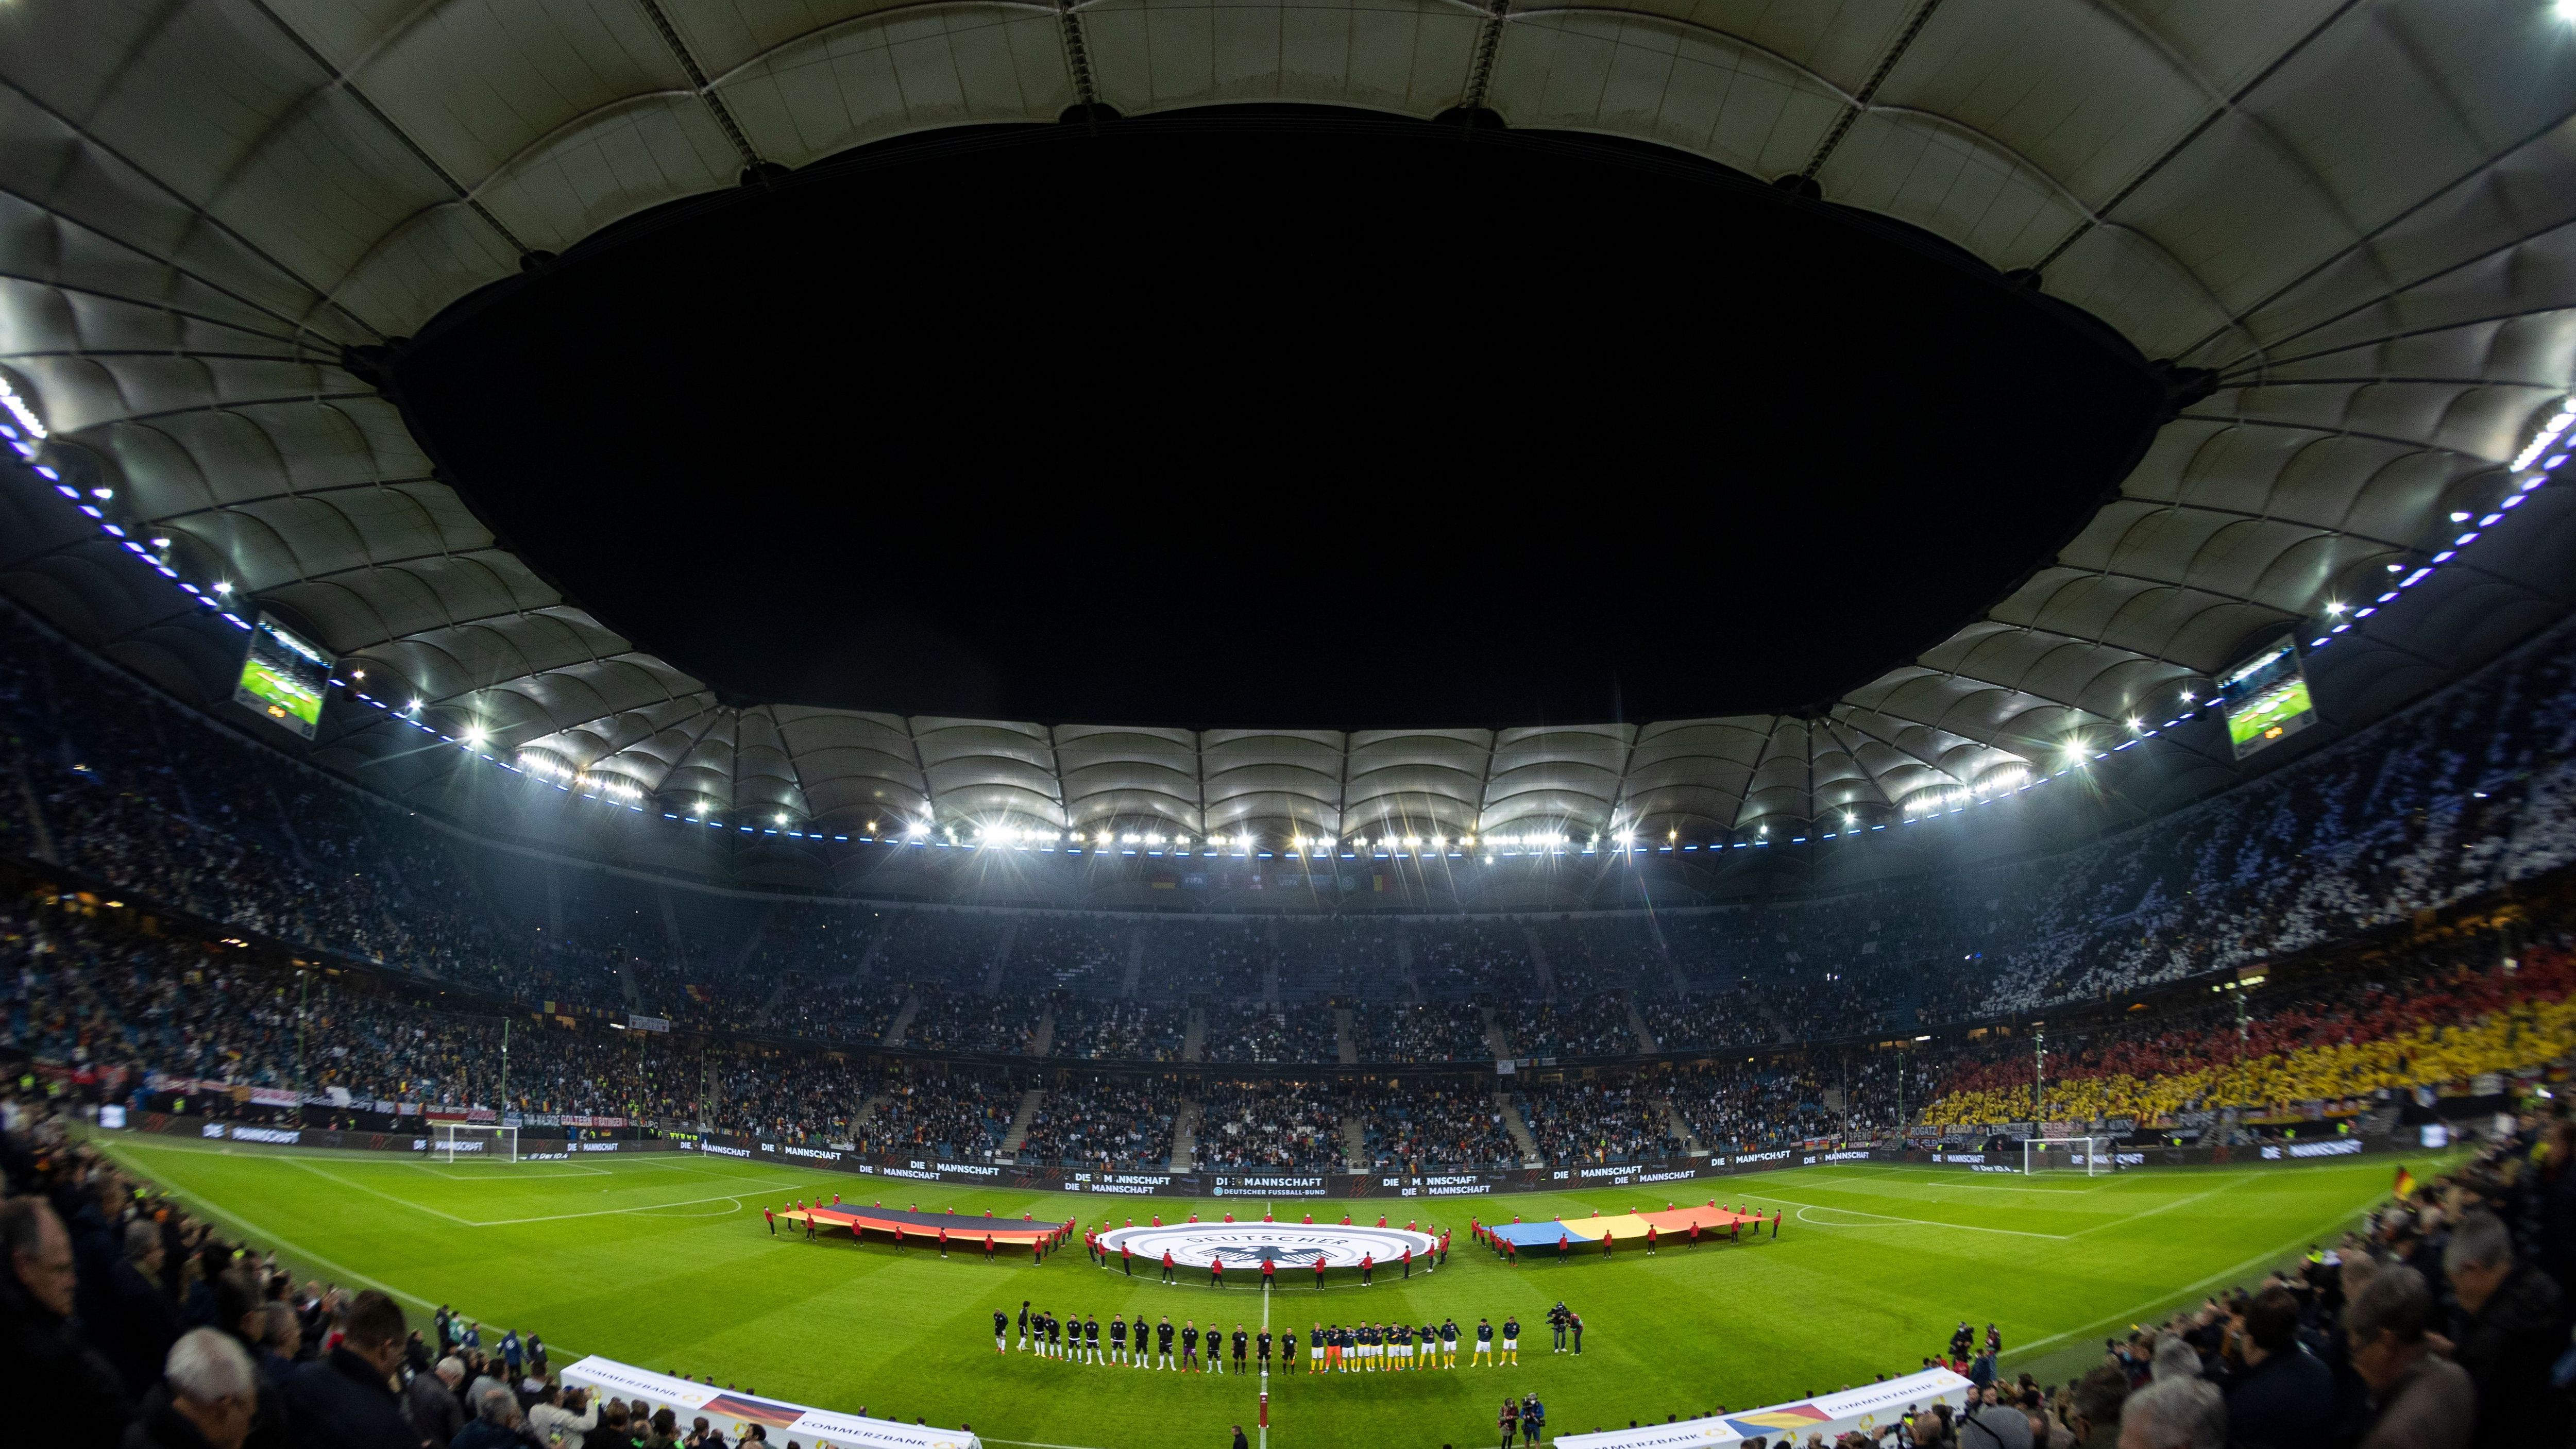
(1282, 418)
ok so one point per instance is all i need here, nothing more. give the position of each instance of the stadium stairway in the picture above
(1355, 1153)
(1404, 965)
(1194, 1036)
(902, 1021)
(1135, 965)
(1346, 1040)
(867, 1112)
(1637, 1024)
(1519, 1129)
(35, 817)
(1680, 1131)
(1185, 1136)
(1539, 962)
(1030, 1101)
(1042, 1040)
(1497, 1045)
(1001, 960)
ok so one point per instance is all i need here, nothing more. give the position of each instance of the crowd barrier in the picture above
(1110, 1182)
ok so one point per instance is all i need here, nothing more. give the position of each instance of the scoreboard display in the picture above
(2266, 699)
(284, 678)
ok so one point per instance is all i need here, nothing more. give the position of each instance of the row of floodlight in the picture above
(24, 431)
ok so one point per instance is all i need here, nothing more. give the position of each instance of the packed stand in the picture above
(1250, 1032)
(1107, 1123)
(1426, 1124)
(1282, 1125)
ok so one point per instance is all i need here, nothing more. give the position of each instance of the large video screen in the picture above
(284, 678)
(2265, 699)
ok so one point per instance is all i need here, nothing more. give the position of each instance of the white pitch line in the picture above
(2151, 1212)
(614, 1212)
(1886, 1218)
(2223, 1274)
(388, 1197)
(1935, 1177)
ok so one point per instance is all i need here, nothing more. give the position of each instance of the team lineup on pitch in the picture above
(1874, 1266)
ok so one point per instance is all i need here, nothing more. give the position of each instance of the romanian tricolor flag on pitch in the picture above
(2405, 1185)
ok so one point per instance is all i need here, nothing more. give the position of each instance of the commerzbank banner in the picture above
(735, 1412)
(1866, 1410)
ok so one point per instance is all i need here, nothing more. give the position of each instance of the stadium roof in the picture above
(2354, 214)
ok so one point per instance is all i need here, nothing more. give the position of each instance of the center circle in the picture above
(1246, 1245)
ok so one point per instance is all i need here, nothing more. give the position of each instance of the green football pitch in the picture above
(663, 1262)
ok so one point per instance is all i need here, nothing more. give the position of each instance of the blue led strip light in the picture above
(25, 435)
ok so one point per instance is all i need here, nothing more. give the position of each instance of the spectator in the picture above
(2282, 1397)
(2511, 1325)
(38, 1338)
(569, 1413)
(2425, 1401)
(495, 1426)
(346, 1399)
(2175, 1413)
(2174, 1359)
(2098, 1396)
(139, 1322)
(431, 1402)
(1989, 1425)
(206, 1398)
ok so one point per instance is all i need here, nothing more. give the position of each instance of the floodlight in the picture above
(474, 735)
(223, 586)
(2335, 606)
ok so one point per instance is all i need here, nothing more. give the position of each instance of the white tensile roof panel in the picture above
(2357, 215)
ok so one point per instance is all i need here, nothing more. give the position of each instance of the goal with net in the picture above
(2091, 1156)
(472, 1142)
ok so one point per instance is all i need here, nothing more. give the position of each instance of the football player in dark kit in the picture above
(1117, 1339)
(1001, 1331)
(1163, 1342)
(1189, 1345)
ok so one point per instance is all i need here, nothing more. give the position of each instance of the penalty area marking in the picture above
(1885, 1220)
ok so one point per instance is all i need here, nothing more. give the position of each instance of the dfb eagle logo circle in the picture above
(1247, 1245)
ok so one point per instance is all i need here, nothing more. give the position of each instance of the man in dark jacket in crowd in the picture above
(39, 1340)
(206, 1400)
(140, 1321)
(346, 1399)
(2281, 1396)
(2511, 1325)
(431, 1402)
(495, 1426)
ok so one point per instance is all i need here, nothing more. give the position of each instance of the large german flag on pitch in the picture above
(904, 1225)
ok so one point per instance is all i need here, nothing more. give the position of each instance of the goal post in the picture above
(472, 1142)
(2091, 1156)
